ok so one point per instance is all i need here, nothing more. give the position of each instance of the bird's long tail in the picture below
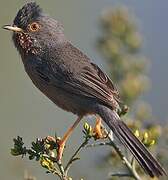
(129, 140)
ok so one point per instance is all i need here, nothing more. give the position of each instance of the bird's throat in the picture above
(25, 44)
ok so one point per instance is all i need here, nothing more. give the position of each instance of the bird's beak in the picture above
(13, 28)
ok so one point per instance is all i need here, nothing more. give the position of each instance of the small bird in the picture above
(70, 80)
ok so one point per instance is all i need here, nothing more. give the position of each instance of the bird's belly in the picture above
(63, 99)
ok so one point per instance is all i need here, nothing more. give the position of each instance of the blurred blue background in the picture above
(26, 112)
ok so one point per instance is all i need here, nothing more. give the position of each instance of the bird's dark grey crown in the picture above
(28, 12)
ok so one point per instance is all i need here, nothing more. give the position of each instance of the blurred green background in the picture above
(26, 112)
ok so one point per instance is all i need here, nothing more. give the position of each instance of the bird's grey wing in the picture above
(93, 82)
(72, 71)
(89, 81)
(95, 78)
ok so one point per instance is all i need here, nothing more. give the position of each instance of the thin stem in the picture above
(63, 175)
(120, 174)
(123, 158)
(73, 156)
(98, 144)
(58, 173)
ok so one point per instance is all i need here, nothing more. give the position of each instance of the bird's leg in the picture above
(61, 143)
(97, 130)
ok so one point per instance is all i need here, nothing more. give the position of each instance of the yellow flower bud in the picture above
(46, 163)
(146, 135)
(137, 134)
(86, 126)
(152, 142)
(90, 129)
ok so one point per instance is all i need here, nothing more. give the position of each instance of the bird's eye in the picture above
(33, 27)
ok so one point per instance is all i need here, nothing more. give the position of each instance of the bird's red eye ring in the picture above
(33, 27)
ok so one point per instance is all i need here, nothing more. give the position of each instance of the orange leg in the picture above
(65, 138)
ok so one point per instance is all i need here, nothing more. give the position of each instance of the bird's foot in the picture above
(98, 130)
(60, 150)
(58, 143)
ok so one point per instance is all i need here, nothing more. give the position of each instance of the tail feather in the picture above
(129, 140)
(145, 159)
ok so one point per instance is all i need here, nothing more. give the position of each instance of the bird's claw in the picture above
(60, 149)
(59, 144)
(98, 129)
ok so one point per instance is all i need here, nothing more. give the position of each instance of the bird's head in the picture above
(34, 31)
